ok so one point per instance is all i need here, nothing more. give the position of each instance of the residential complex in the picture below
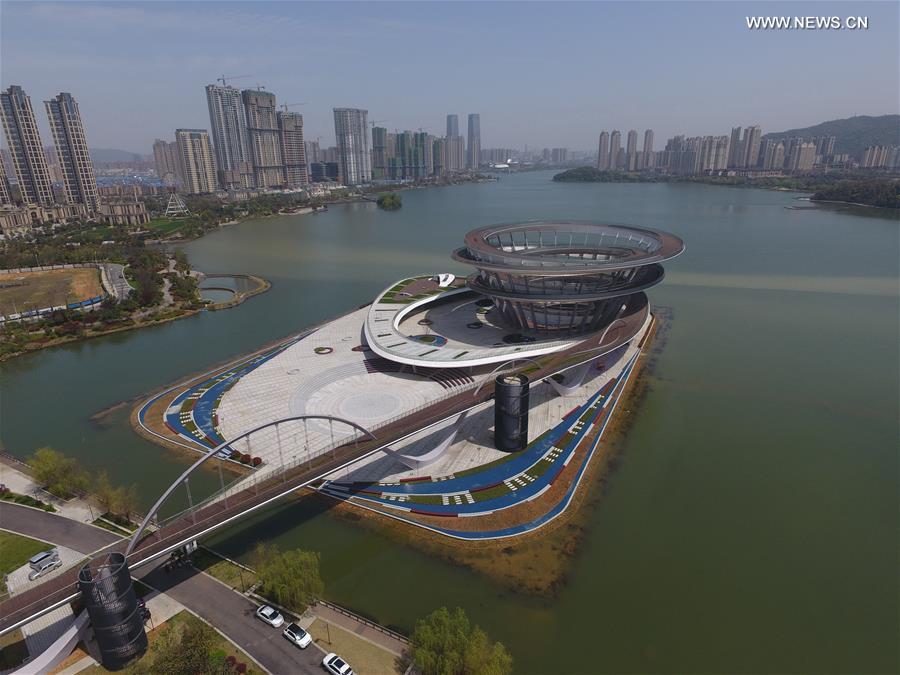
(228, 128)
(195, 156)
(72, 151)
(25, 147)
(293, 149)
(351, 130)
(165, 156)
(264, 135)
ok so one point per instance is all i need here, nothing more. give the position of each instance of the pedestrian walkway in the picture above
(360, 627)
(20, 482)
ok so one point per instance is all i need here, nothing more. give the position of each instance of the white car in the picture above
(270, 615)
(297, 635)
(335, 665)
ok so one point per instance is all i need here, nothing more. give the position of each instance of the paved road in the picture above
(116, 275)
(233, 615)
(54, 528)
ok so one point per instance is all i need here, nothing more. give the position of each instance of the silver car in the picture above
(43, 562)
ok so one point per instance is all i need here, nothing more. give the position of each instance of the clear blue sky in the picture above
(545, 74)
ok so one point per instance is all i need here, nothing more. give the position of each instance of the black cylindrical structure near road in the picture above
(108, 594)
(511, 412)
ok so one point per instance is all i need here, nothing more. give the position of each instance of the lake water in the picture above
(752, 524)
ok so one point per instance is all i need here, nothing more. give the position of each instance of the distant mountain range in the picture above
(854, 134)
(104, 155)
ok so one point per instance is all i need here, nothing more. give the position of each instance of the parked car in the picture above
(297, 635)
(43, 562)
(335, 665)
(270, 615)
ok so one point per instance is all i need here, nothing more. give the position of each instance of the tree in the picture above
(57, 473)
(290, 578)
(446, 643)
(184, 652)
(104, 491)
(125, 501)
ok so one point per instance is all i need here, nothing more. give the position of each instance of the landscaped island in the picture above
(389, 201)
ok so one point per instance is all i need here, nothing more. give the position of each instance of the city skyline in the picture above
(567, 114)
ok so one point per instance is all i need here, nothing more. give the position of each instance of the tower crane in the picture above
(224, 78)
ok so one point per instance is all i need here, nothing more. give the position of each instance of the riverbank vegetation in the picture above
(860, 187)
(447, 643)
(389, 201)
(290, 578)
(883, 193)
(65, 478)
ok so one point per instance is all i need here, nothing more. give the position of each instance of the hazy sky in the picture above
(545, 74)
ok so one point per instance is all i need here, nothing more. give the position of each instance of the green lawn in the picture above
(165, 225)
(226, 572)
(364, 657)
(15, 550)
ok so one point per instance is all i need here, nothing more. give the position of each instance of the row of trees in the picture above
(882, 193)
(65, 477)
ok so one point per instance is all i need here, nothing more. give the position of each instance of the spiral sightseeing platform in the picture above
(470, 407)
(546, 298)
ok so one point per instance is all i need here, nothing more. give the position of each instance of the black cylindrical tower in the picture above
(108, 594)
(511, 412)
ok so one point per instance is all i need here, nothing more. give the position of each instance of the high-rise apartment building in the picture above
(264, 137)
(197, 161)
(750, 147)
(473, 150)
(5, 194)
(452, 125)
(456, 154)
(72, 151)
(293, 149)
(648, 150)
(165, 156)
(351, 133)
(228, 128)
(615, 144)
(735, 152)
(631, 151)
(379, 153)
(313, 152)
(603, 152)
(25, 147)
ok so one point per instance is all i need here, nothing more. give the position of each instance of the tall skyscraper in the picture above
(197, 161)
(631, 151)
(452, 125)
(735, 151)
(228, 128)
(165, 156)
(603, 152)
(615, 144)
(750, 146)
(293, 149)
(648, 149)
(473, 150)
(25, 147)
(5, 196)
(264, 137)
(351, 133)
(379, 153)
(72, 151)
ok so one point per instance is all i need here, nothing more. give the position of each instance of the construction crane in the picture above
(292, 105)
(230, 77)
(372, 123)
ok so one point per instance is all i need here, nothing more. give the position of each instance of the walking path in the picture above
(20, 482)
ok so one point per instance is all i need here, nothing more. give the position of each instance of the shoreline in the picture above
(263, 285)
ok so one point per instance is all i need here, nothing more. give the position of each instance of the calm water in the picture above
(752, 525)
